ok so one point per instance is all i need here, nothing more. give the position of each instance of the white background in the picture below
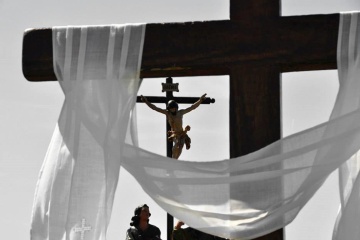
(29, 111)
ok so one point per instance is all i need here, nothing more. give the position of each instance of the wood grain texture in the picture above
(296, 43)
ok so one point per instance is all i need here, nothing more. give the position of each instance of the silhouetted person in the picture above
(140, 228)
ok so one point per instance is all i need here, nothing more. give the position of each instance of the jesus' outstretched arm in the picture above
(195, 105)
(152, 106)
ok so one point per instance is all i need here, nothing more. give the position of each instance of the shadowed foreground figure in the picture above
(140, 228)
(190, 233)
(175, 118)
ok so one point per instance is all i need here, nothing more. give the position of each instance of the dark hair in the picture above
(172, 104)
(135, 220)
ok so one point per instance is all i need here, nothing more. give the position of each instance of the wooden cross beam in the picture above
(254, 47)
(292, 43)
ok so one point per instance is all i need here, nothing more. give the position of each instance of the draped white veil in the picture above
(98, 69)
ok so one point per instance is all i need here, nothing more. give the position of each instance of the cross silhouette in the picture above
(253, 47)
(82, 229)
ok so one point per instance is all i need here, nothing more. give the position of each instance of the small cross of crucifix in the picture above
(82, 229)
(169, 87)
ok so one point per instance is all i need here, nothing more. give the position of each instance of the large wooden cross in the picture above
(253, 47)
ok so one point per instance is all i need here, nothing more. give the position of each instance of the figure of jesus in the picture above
(174, 116)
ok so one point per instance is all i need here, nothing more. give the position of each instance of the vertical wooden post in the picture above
(169, 145)
(255, 109)
(254, 118)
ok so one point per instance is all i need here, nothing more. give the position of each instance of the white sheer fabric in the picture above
(349, 77)
(229, 198)
(98, 70)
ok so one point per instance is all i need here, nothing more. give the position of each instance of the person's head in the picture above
(141, 213)
(172, 107)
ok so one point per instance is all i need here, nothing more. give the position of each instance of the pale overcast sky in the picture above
(29, 111)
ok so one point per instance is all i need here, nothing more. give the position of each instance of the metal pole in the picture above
(169, 144)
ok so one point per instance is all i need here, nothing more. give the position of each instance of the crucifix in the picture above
(169, 87)
(82, 229)
(253, 47)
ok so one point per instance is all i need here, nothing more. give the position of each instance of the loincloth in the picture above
(180, 137)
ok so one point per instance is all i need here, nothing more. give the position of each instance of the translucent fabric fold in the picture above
(349, 76)
(98, 70)
(239, 198)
